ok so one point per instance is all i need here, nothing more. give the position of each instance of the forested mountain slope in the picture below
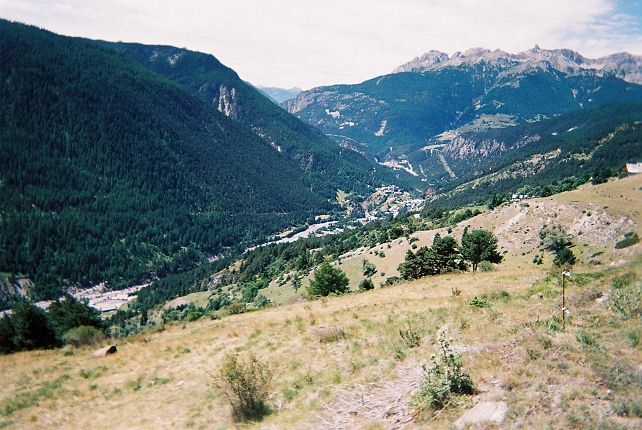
(222, 89)
(110, 172)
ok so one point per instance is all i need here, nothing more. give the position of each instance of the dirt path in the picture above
(385, 402)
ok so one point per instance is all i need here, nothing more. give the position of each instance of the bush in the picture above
(245, 384)
(626, 297)
(369, 269)
(486, 266)
(479, 302)
(236, 308)
(629, 408)
(262, 301)
(366, 285)
(630, 239)
(328, 279)
(445, 377)
(392, 280)
(83, 335)
(410, 336)
(553, 238)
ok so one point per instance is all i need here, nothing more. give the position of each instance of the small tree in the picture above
(446, 253)
(564, 257)
(478, 246)
(328, 279)
(7, 334)
(553, 238)
(369, 269)
(366, 285)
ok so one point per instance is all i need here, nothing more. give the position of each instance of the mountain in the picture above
(112, 172)
(221, 88)
(622, 65)
(279, 95)
(433, 98)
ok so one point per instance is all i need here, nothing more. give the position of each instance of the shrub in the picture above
(83, 335)
(479, 302)
(629, 408)
(236, 308)
(410, 336)
(262, 301)
(486, 266)
(445, 377)
(369, 269)
(245, 383)
(366, 285)
(626, 297)
(553, 238)
(630, 239)
(392, 280)
(68, 313)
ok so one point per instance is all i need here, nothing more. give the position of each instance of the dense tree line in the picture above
(29, 327)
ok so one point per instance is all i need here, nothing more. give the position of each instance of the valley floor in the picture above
(587, 376)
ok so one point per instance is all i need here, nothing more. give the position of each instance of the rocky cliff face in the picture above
(622, 65)
(227, 101)
(467, 147)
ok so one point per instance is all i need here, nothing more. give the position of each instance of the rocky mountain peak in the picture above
(428, 60)
(623, 65)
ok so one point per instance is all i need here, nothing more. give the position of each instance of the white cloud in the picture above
(313, 42)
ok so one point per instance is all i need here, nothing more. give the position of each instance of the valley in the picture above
(366, 377)
(454, 244)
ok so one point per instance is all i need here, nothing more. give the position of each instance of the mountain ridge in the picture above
(623, 65)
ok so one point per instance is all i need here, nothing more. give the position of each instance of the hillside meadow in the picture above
(342, 362)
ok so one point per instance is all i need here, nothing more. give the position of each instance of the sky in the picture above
(307, 43)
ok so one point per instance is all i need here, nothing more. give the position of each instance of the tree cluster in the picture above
(446, 255)
(28, 327)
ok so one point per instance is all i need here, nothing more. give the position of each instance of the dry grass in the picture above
(513, 349)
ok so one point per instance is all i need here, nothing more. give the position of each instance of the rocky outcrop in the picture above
(482, 415)
(227, 101)
(462, 147)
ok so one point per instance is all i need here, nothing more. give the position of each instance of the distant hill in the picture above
(279, 95)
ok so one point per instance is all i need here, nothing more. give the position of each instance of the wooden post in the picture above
(563, 302)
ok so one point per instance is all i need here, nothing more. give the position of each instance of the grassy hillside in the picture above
(110, 172)
(341, 362)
